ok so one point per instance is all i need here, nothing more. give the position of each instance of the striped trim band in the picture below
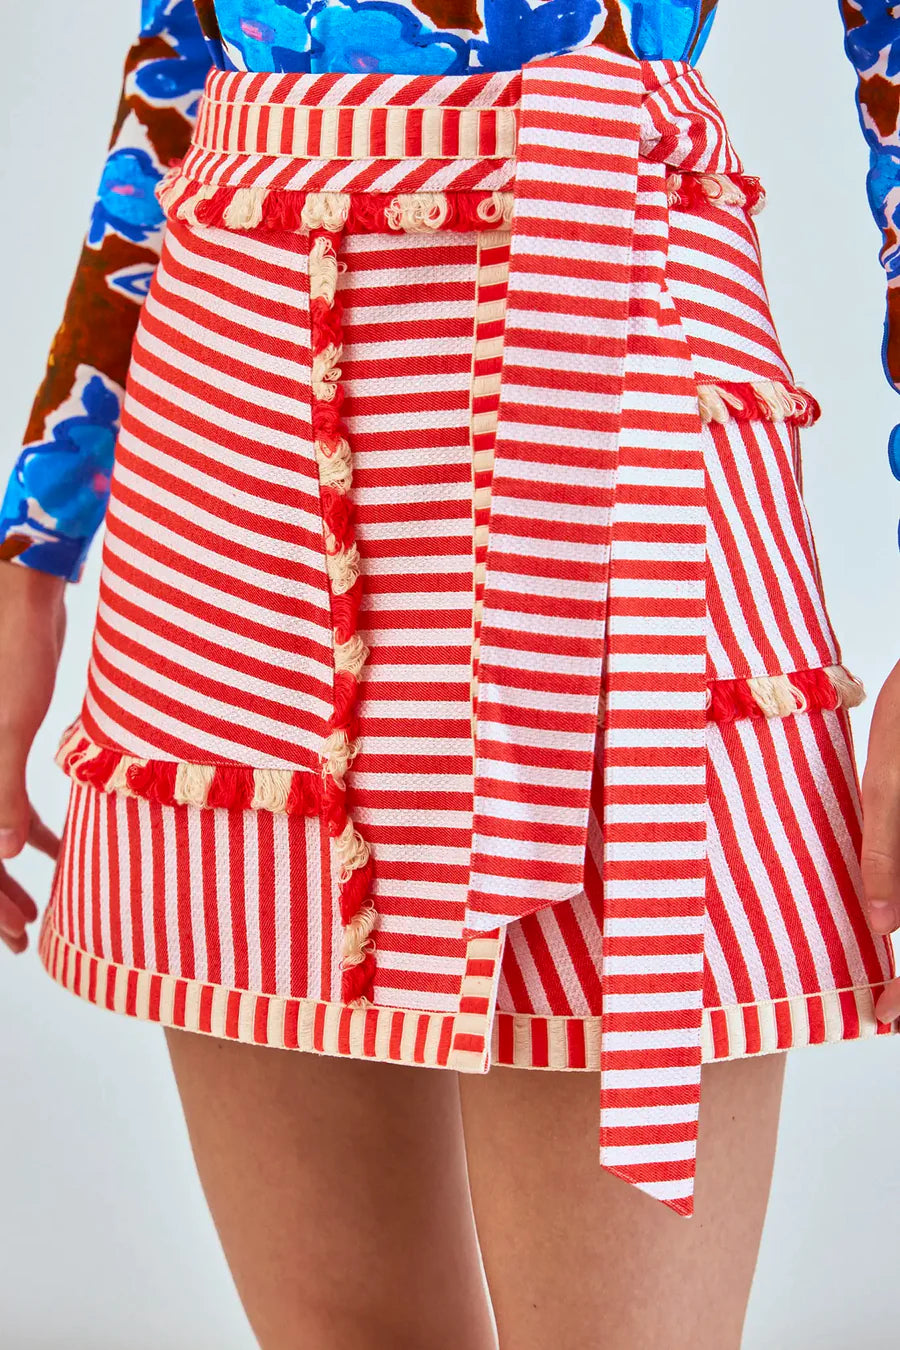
(407, 1036)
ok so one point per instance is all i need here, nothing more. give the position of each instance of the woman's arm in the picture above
(872, 41)
(56, 495)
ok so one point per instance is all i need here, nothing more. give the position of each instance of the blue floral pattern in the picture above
(400, 37)
(57, 493)
(167, 83)
(126, 204)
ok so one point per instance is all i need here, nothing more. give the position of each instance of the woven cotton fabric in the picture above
(462, 689)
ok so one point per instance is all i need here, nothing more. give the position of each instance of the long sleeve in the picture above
(872, 42)
(56, 495)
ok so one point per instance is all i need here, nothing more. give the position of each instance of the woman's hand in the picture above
(881, 827)
(32, 626)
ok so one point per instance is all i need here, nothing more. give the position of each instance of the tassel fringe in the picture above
(690, 191)
(768, 400)
(268, 209)
(829, 687)
(293, 792)
(335, 465)
(299, 792)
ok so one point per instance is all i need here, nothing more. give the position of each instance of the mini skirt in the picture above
(462, 691)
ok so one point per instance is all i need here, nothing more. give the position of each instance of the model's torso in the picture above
(442, 37)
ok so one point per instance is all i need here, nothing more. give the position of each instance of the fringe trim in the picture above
(335, 465)
(690, 191)
(828, 687)
(292, 792)
(268, 209)
(769, 400)
(298, 792)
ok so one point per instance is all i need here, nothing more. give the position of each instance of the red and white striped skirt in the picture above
(461, 673)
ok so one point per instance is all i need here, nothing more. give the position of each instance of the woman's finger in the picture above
(881, 879)
(881, 811)
(12, 920)
(17, 944)
(41, 837)
(14, 809)
(16, 892)
(888, 1006)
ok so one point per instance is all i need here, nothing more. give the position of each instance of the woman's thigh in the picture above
(340, 1196)
(578, 1259)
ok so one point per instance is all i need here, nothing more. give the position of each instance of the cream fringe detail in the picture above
(774, 400)
(719, 188)
(325, 371)
(497, 212)
(778, 696)
(192, 784)
(851, 690)
(323, 270)
(325, 211)
(351, 655)
(408, 212)
(244, 211)
(417, 212)
(343, 565)
(335, 466)
(271, 787)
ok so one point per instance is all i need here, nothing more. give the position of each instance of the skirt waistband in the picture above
(380, 133)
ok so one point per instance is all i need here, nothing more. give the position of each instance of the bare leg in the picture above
(578, 1259)
(339, 1192)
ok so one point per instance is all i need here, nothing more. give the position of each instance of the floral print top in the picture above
(56, 496)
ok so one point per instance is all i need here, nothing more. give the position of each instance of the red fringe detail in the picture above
(74, 751)
(212, 211)
(731, 700)
(344, 611)
(334, 807)
(305, 795)
(232, 786)
(97, 770)
(337, 513)
(282, 209)
(693, 196)
(155, 781)
(748, 406)
(357, 981)
(338, 520)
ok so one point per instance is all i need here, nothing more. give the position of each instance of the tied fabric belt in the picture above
(594, 602)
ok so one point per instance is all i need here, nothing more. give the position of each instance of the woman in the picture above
(338, 784)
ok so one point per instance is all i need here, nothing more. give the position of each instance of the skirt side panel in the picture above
(784, 915)
(213, 640)
(239, 899)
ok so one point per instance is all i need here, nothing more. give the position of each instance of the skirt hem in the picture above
(426, 1038)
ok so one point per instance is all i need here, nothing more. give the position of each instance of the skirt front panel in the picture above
(189, 917)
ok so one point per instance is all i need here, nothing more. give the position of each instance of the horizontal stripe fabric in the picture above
(479, 551)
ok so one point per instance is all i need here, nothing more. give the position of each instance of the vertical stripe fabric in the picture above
(456, 542)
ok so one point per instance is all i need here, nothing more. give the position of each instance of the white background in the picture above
(105, 1243)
